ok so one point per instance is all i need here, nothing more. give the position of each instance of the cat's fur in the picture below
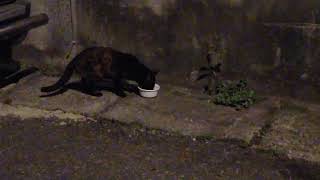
(96, 64)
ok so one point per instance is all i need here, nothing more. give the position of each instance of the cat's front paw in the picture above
(121, 94)
(96, 93)
(132, 88)
(99, 94)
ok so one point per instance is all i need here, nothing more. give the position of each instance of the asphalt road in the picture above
(35, 149)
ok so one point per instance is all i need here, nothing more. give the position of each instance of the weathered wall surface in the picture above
(172, 35)
(46, 46)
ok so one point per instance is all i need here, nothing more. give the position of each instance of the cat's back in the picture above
(94, 61)
(99, 51)
(99, 62)
(106, 56)
(95, 51)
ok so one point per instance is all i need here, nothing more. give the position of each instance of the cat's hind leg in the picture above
(91, 87)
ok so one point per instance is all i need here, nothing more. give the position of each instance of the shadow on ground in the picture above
(103, 86)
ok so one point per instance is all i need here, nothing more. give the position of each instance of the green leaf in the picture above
(234, 94)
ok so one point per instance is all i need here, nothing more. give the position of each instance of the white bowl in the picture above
(150, 93)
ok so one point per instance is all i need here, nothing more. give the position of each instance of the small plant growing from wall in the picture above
(211, 70)
(210, 73)
(229, 93)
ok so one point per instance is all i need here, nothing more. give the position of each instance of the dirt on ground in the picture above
(38, 149)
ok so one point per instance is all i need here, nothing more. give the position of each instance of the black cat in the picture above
(97, 64)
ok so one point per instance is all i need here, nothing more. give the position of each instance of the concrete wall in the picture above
(46, 46)
(172, 35)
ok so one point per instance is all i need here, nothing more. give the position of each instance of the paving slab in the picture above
(176, 109)
(295, 132)
(27, 93)
(249, 123)
(179, 110)
(294, 126)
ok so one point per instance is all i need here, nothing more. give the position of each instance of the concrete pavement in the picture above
(279, 124)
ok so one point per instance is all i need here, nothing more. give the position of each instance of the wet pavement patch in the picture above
(38, 149)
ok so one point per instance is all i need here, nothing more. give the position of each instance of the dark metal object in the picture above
(16, 77)
(20, 27)
(2, 2)
(16, 11)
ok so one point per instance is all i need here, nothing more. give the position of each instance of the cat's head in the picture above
(149, 80)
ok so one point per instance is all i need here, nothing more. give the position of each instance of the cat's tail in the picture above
(63, 80)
